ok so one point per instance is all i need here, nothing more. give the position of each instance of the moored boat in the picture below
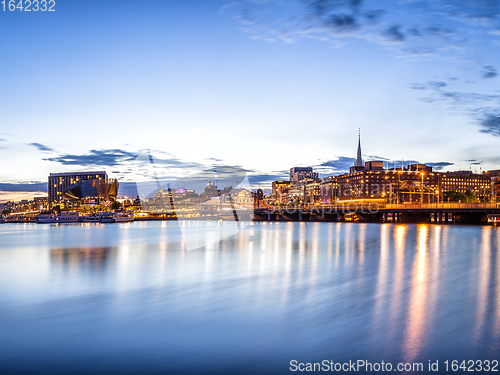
(123, 216)
(67, 217)
(88, 219)
(62, 217)
(46, 218)
(116, 217)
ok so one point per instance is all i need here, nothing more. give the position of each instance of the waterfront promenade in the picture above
(445, 213)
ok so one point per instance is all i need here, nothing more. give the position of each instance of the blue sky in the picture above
(265, 85)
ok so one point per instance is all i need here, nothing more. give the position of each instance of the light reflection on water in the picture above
(129, 298)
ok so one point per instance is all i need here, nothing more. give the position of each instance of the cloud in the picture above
(256, 178)
(373, 17)
(474, 162)
(376, 157)
(95, 157)
(394, 34)
(24, 186)
(431, 85)
(339, 165)
(456, 98)
(473, 12)
(467, 98)
(437, 84)
(41, 147)
(342, 23)
(449, 29)
(324, 7)
(489, 72)
(490, 123)
(437, 31)
(440, 165)
(471, 104)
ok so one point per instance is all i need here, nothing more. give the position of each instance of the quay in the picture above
(439, 213)
(445, 213)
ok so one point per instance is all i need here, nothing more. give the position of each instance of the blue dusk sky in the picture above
(263, 85)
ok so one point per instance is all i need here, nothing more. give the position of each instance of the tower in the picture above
(359, 159)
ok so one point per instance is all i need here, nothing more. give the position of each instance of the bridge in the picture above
(465, 213)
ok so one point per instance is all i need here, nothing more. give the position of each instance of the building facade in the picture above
(74, 186)
(369, 182)
(300, 173)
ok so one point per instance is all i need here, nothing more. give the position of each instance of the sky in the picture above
(258, 85)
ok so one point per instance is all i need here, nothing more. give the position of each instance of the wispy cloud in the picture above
(448, 30)
(484, 109)
(335, 166)
(440, 165)
(394, 34)
(489, 72)
(24, 186)
(490, 123)
(110, 157)
(419, 27)
(41, 147)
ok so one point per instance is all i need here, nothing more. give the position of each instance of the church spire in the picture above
(359, 160)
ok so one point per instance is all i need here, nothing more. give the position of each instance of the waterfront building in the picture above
(210, 191)
(41, 203)
(162, 201)
(185, 198)
(78, 186)
(305, 192)
(6, 207)
(412, 185)
(258, 198)
(390, 185)
(370, 182)
(328, 190)
(243, 198)
(279, 191)
(466, 181)
(495, 184)
(299, 173)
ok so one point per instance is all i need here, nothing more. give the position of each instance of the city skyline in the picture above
(229, 174)
(240, 84)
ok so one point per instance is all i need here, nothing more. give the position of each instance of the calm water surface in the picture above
(127, 298)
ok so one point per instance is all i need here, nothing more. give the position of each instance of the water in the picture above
(127, 298)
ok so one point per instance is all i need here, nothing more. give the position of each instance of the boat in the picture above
(62, 217)
(89, 219)
(116, 217)
(46, 218)
(2, 220)
(123, 216)
(67, 217)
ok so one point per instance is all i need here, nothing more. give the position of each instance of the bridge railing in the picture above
(420, 206)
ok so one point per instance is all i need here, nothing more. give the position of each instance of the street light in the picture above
(422, 191)
(399, 194)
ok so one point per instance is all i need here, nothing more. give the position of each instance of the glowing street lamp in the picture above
(422, 191)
